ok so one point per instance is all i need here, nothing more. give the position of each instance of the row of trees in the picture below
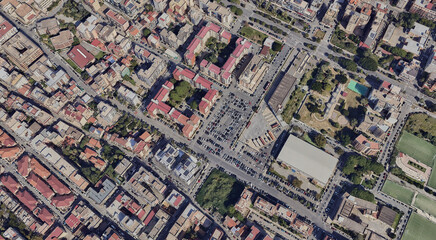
(237, 11)
(398, 52)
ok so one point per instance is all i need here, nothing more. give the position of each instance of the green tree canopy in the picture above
(368, 63)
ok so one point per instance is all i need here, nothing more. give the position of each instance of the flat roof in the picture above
(281, 93)
(308, 159)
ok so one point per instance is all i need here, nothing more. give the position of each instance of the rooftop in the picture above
(308, 159)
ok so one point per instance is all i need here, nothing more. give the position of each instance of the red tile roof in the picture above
(10, 183)
(46, 216)
(27, 199)
(40, 185)
(149, 217)
(57, 185)
(55, 234)
(204, 82)
(63, 200)
(38, 169)
(5, 26)
(116, 17)
(23, 166)
(80, 56)
(72, 221)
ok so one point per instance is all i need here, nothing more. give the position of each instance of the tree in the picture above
(146, 32)
(276, 46)
(368, 63)
(320, 140)
(354, 38)
(376, 167)
(341, 78)
(239, 12)
(296, 182)
(349, 166)
(344, 138)
(362, 194)
(317, 86)
(355, 178)
(347, 64)
(354, 122)
(313, 108)
(194, 105)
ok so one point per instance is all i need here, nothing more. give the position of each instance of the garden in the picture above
(220, 192)
(253, 34)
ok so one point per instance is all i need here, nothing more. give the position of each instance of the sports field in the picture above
(419, 228)
(397, 191)
(432, 179)
(417, 148)
(358, 88)
(426, 204)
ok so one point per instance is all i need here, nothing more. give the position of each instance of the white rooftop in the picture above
(308, 159)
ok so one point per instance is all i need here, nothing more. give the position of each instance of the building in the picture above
(194, 79)
(174, 41)
(302, 8)
(118, 20)
(219, 13)
(351, 210)
(129, 7)
(424, 8)
(157, 106)
(174, 199)
(253, 74)
(82, 216)
(128, 213)
(208, 101)
(102, 191)
(363, 145)
(387, 215)
(21, 51)
(190, 217)
(281, 94)
(130, 96)
(331, 14)
(223, 74)
(308, 160)
(386, 102)
(86, 28)
(63, 40)
(265, 206)
(159, 5)
(430, 65)
(80, 56)
(6, 30)
(245, 201)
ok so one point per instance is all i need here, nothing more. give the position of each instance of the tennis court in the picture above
(420, 228)
(417, 148)
(358, 88)
(426, 204)
(397, 191)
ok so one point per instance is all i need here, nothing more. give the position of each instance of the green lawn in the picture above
(253, 34)
(432, 180)
(426, 204)
(219, 192)
(420, 228)
(417, 148)
(397, 191)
